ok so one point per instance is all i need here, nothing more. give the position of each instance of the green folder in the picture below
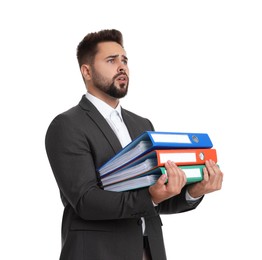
(194, 173)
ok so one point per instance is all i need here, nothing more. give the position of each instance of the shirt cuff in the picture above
(155, 205)
(189, 198)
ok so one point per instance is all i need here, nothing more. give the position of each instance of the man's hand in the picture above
(212, 181)
(161, 190)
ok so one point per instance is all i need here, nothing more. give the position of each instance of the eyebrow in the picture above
(117, 55)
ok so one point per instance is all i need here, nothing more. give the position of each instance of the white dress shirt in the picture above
(113, 117)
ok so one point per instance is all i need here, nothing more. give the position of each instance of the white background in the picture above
(195, 67)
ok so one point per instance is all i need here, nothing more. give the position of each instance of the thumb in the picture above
(162, 180)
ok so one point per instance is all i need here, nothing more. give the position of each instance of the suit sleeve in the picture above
(72, 162)
(178, 204)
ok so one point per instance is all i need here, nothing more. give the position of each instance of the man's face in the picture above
(110, 70)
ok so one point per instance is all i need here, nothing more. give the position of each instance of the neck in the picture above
(111, 101)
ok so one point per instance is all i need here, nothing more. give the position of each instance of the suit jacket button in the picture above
(139, 222)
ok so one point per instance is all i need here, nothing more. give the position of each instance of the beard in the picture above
(108, 85)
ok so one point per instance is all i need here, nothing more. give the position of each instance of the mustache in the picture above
(120, 74)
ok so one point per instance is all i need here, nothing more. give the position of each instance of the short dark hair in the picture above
(87, 48)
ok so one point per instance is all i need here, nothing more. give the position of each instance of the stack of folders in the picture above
(142, 161)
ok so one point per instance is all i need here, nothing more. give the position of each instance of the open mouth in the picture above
(122, 79)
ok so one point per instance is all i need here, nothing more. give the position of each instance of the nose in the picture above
(121, 69)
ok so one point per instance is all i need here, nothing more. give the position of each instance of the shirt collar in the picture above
(103, 107)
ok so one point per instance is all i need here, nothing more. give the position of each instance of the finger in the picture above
(210, 167)
(214, 169)
(217, 169)
(205, 175)
(176, 176)
(182, 175)
(169, 171)
(169, 167)
(161, 181)
(216, 176)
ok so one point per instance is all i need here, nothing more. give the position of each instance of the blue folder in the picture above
(151, 140)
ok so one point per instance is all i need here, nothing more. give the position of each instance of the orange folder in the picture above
(157, 158)
(185, 156)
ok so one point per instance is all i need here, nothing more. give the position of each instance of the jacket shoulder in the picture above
(136, 118)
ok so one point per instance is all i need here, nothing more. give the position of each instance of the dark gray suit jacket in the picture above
(98, 224)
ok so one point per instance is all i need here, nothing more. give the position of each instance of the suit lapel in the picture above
(130, 124)
(101, 123)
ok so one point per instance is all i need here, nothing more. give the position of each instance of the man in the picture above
(99, 224)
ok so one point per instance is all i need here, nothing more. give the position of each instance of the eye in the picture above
(111, 60)
(124, 62)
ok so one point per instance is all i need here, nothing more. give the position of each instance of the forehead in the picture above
(106, 49)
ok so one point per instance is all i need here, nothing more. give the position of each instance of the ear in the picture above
(86, 71)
